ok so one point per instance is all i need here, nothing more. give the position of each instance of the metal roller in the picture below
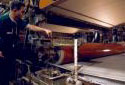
(95, 50)
(88, 51)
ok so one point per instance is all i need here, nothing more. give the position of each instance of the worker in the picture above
(10, 25)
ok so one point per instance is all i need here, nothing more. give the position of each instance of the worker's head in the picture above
(18, 9)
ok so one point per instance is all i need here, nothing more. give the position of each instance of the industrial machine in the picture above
(54, 52)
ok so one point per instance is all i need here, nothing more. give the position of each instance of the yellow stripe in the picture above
(45, 3)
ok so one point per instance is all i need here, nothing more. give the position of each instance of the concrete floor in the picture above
(110, 67)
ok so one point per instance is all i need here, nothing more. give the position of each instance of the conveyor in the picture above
(105, 71)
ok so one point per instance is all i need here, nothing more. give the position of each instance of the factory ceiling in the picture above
(107, 13)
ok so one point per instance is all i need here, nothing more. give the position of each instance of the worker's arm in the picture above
(37, 29)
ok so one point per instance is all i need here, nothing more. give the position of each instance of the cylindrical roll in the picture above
(88, 51)
(65, 55)
(94, 50)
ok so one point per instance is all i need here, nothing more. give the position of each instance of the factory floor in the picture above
(110, 67)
